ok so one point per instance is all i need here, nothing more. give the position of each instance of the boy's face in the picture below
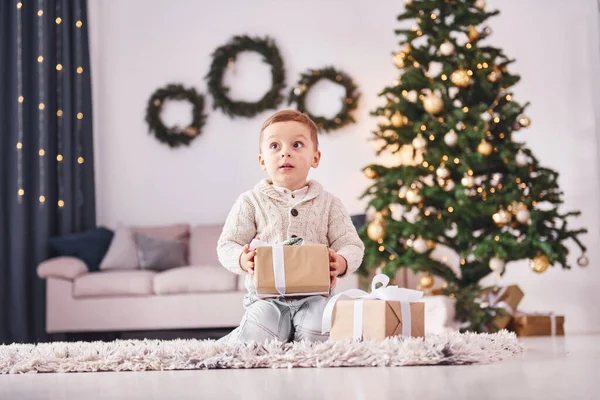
(287, 153)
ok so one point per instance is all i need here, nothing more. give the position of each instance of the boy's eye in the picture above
(274, 146)
(298, 145)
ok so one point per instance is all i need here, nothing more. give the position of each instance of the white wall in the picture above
(140, 45)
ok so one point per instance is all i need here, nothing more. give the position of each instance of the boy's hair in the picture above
(292, 115)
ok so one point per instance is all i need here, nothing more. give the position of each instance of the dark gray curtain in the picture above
(46, 153)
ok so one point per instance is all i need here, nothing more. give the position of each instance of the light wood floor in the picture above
(551, 368)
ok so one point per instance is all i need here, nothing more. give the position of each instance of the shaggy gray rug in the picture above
(153, 355)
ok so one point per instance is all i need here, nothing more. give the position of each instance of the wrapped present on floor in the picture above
(386, 311)
(290, 269)
(537, 324)
(507, 300)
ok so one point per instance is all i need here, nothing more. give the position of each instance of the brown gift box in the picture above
(511, 296)
(381, 319)
(306, 270)
(536, 325)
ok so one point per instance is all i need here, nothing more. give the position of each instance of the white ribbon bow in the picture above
(385, 292)
(494, 301)
(278, 262)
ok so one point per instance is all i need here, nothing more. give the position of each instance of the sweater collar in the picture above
(265, 186)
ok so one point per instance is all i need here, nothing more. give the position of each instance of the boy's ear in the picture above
(316, 159)
(261, 162)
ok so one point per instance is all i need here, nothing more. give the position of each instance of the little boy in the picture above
(282, 207)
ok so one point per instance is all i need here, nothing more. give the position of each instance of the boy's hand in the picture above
(337, 266)
(247, 259)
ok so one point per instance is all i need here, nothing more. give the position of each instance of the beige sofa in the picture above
(201, 295)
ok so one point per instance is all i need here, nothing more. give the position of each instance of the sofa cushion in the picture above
(203, 244)
(89, 246)
(122, 253)
(159, 254)
(114, 283)
(195, 279)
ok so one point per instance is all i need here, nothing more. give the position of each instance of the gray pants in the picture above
(282, 319)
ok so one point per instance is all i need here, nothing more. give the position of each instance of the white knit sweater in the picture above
(319, 218)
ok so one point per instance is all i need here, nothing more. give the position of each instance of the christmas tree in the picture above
(472, 188)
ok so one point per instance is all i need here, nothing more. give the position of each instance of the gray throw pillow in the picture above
(158, 253)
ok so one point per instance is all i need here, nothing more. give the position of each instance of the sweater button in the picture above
(294, 212)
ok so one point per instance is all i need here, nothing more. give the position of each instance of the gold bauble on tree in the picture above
(413, 196)
(501, 217)
(398, 60)
(376, 229)
(407, 48)
(524, 121)
(539, 264)
(461, 78)
(433, 103)
(484, 148)
(495, 75)
(426, 281)
(398, 120)
(473, 34)
(370, 173)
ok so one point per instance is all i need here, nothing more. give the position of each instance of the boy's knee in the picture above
(308, 320)
(265, 321)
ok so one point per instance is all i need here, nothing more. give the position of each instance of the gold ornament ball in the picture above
(398, 60)
(461, 78)
(442, 172)
(494, 76)
(583, 261)
(473, 34)
(370, 173)
(407, 48)
(376, 230)
(398, 120)
(539, 264)
(426, 281)
(413, 196)
(433, 104)
(484, 148)
(524, 121)
(515, 207)
(501, 217)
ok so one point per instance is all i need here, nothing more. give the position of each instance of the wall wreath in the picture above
(175, 136)
(349, 102)
(226, 54)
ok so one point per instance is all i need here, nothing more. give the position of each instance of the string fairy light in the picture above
(20, 100)
(42, 129)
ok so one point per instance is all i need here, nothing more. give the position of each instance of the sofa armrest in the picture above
(62, 268)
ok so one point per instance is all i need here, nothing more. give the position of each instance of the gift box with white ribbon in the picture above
(385, 311)
(289, 271)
